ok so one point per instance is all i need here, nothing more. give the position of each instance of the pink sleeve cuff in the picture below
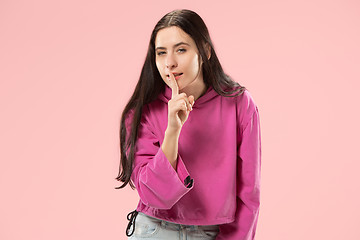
(183, 173)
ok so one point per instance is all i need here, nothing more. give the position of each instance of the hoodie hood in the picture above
(210, 93)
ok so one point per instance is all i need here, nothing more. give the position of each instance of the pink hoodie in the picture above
(217, 179)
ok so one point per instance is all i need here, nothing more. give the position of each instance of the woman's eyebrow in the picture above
(180, 43)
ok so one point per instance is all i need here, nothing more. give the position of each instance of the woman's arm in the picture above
(170, 146)
(248, 185)
(179, 108)
(158, 183)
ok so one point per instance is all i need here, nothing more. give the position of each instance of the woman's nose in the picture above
(170, 61)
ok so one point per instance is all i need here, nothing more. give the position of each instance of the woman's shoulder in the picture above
(246, 99)
(246, 105)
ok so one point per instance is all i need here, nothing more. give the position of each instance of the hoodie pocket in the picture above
(210, 231)
(146, 226)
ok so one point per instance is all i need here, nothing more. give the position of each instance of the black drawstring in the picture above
(132, 218)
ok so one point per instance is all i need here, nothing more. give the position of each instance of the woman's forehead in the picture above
(170, 36)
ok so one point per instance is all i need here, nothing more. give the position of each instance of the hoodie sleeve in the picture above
(248, 184)
(158, 184)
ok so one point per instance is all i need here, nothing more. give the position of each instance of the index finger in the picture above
(174, 86)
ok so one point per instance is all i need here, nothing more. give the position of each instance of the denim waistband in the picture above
(176, 226)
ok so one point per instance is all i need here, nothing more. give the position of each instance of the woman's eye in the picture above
(182, 50)
(160, 53)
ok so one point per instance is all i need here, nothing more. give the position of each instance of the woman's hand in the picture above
(179, 106)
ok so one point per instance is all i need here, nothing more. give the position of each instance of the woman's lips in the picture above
(176, 75)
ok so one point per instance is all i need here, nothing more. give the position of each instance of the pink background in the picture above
(67, 69)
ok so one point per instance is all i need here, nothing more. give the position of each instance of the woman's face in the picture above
(176, 52)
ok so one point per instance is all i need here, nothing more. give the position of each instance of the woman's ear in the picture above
(208, 50)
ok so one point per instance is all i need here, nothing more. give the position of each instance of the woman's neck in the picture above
(197, 89)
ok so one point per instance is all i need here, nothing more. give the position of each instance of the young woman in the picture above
(190, 141)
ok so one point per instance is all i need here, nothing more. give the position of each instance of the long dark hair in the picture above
(150, 84)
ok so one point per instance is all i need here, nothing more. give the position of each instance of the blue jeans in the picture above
(152, 228)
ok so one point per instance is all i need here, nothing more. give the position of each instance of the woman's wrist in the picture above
(172, 132)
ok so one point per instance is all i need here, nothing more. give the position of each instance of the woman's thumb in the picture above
(191, 100)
